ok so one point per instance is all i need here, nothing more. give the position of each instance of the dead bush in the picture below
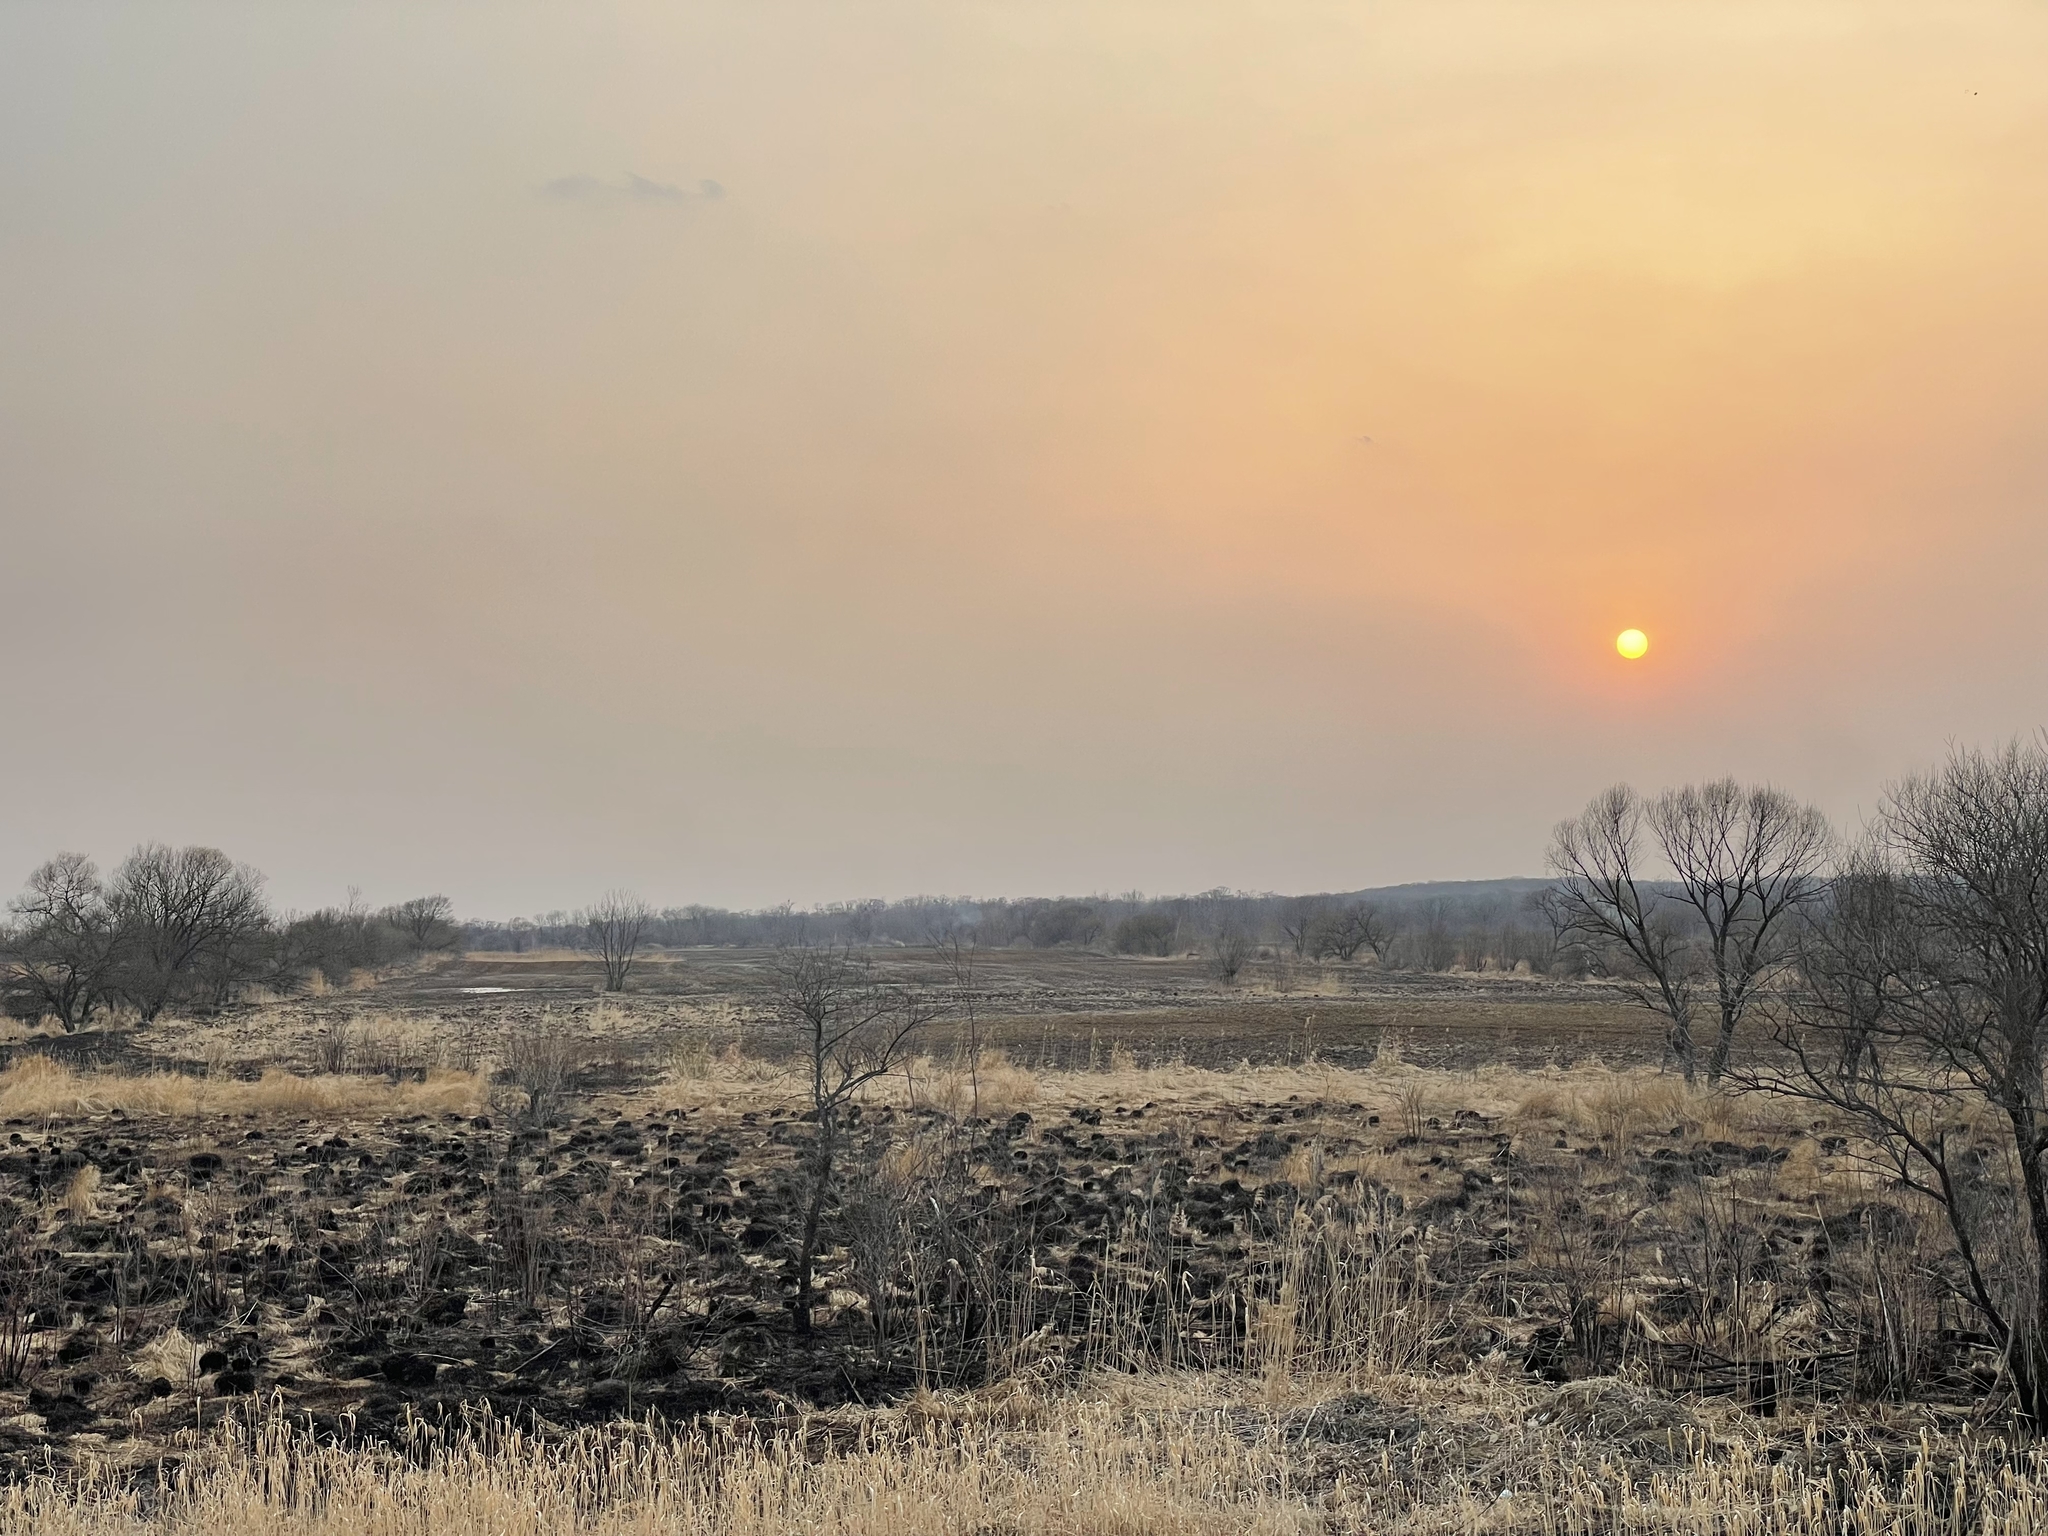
(539, 1061)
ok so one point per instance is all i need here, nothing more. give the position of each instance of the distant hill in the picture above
(1460, 891)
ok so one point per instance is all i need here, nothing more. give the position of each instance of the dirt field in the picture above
(1050, 1009)
(347, 1205)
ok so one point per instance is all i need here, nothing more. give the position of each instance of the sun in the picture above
(1631, 643)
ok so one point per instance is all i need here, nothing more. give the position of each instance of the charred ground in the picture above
(356, 1205)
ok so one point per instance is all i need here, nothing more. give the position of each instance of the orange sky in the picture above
(969, 491)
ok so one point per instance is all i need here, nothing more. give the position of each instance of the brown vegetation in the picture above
(1296, 1245)
(37, 1088)
(1154, 1456)
(1375, 1249)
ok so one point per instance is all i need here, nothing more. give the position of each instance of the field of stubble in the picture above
(1323, 1250)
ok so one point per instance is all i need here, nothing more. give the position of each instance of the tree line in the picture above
(1496, 929)
(186, 929)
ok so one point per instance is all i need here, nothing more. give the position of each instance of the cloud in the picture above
(628, 188)
(574, 189)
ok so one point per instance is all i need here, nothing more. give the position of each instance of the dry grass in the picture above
(998, 1085)
(170, 1355)
(14, 1030)
(504, 960)
(80, 1200)
(700, 1076)
(317, 984)
(361, 1040)
(1590, 1098)
(36, 1087)
(1082, 1472)
(1169, 1456)
(1320, 1416)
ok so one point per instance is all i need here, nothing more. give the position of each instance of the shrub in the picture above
(1146, 933)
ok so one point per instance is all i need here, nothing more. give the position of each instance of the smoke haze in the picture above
(757, 452)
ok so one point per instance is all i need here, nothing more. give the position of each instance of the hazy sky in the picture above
(764, 451)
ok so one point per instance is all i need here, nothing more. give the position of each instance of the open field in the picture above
(1049, 1008)
(1289, 1255)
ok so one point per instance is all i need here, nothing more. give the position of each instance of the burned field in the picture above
(396, 1204)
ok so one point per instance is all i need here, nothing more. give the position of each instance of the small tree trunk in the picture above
(1724, 1043)
(814, 1216)
(1680, 1040)
(2026, 1362)
(973, 1064)
(2027, 1348)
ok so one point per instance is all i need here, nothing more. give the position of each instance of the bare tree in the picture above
(1477, 946)
(1740, 862)
(187, 921)
(63, 951)
(860, 918)
(541, 1061)
(957, 950)
(1921, 1003)
(852, 1027)
(364, 942)
(1746, 860)
(612, 930)
(1380, 930)
(1146, 933)
(1359, 925)
(427, 923)
(1229, 951)
(1300, 918)
(1535, 942)
(1605, 905)
(335, 941)
(1436, 946)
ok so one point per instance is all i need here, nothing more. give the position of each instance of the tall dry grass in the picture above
(363, 1040)
(37, 1087)
(700, 1074)
(1589, 1097)
(896, 1476)
(1027, 1466)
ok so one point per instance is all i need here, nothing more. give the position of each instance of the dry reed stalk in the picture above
(951, 1086)
(730, 1076)
(1149, 1465)
(1089, 1473)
